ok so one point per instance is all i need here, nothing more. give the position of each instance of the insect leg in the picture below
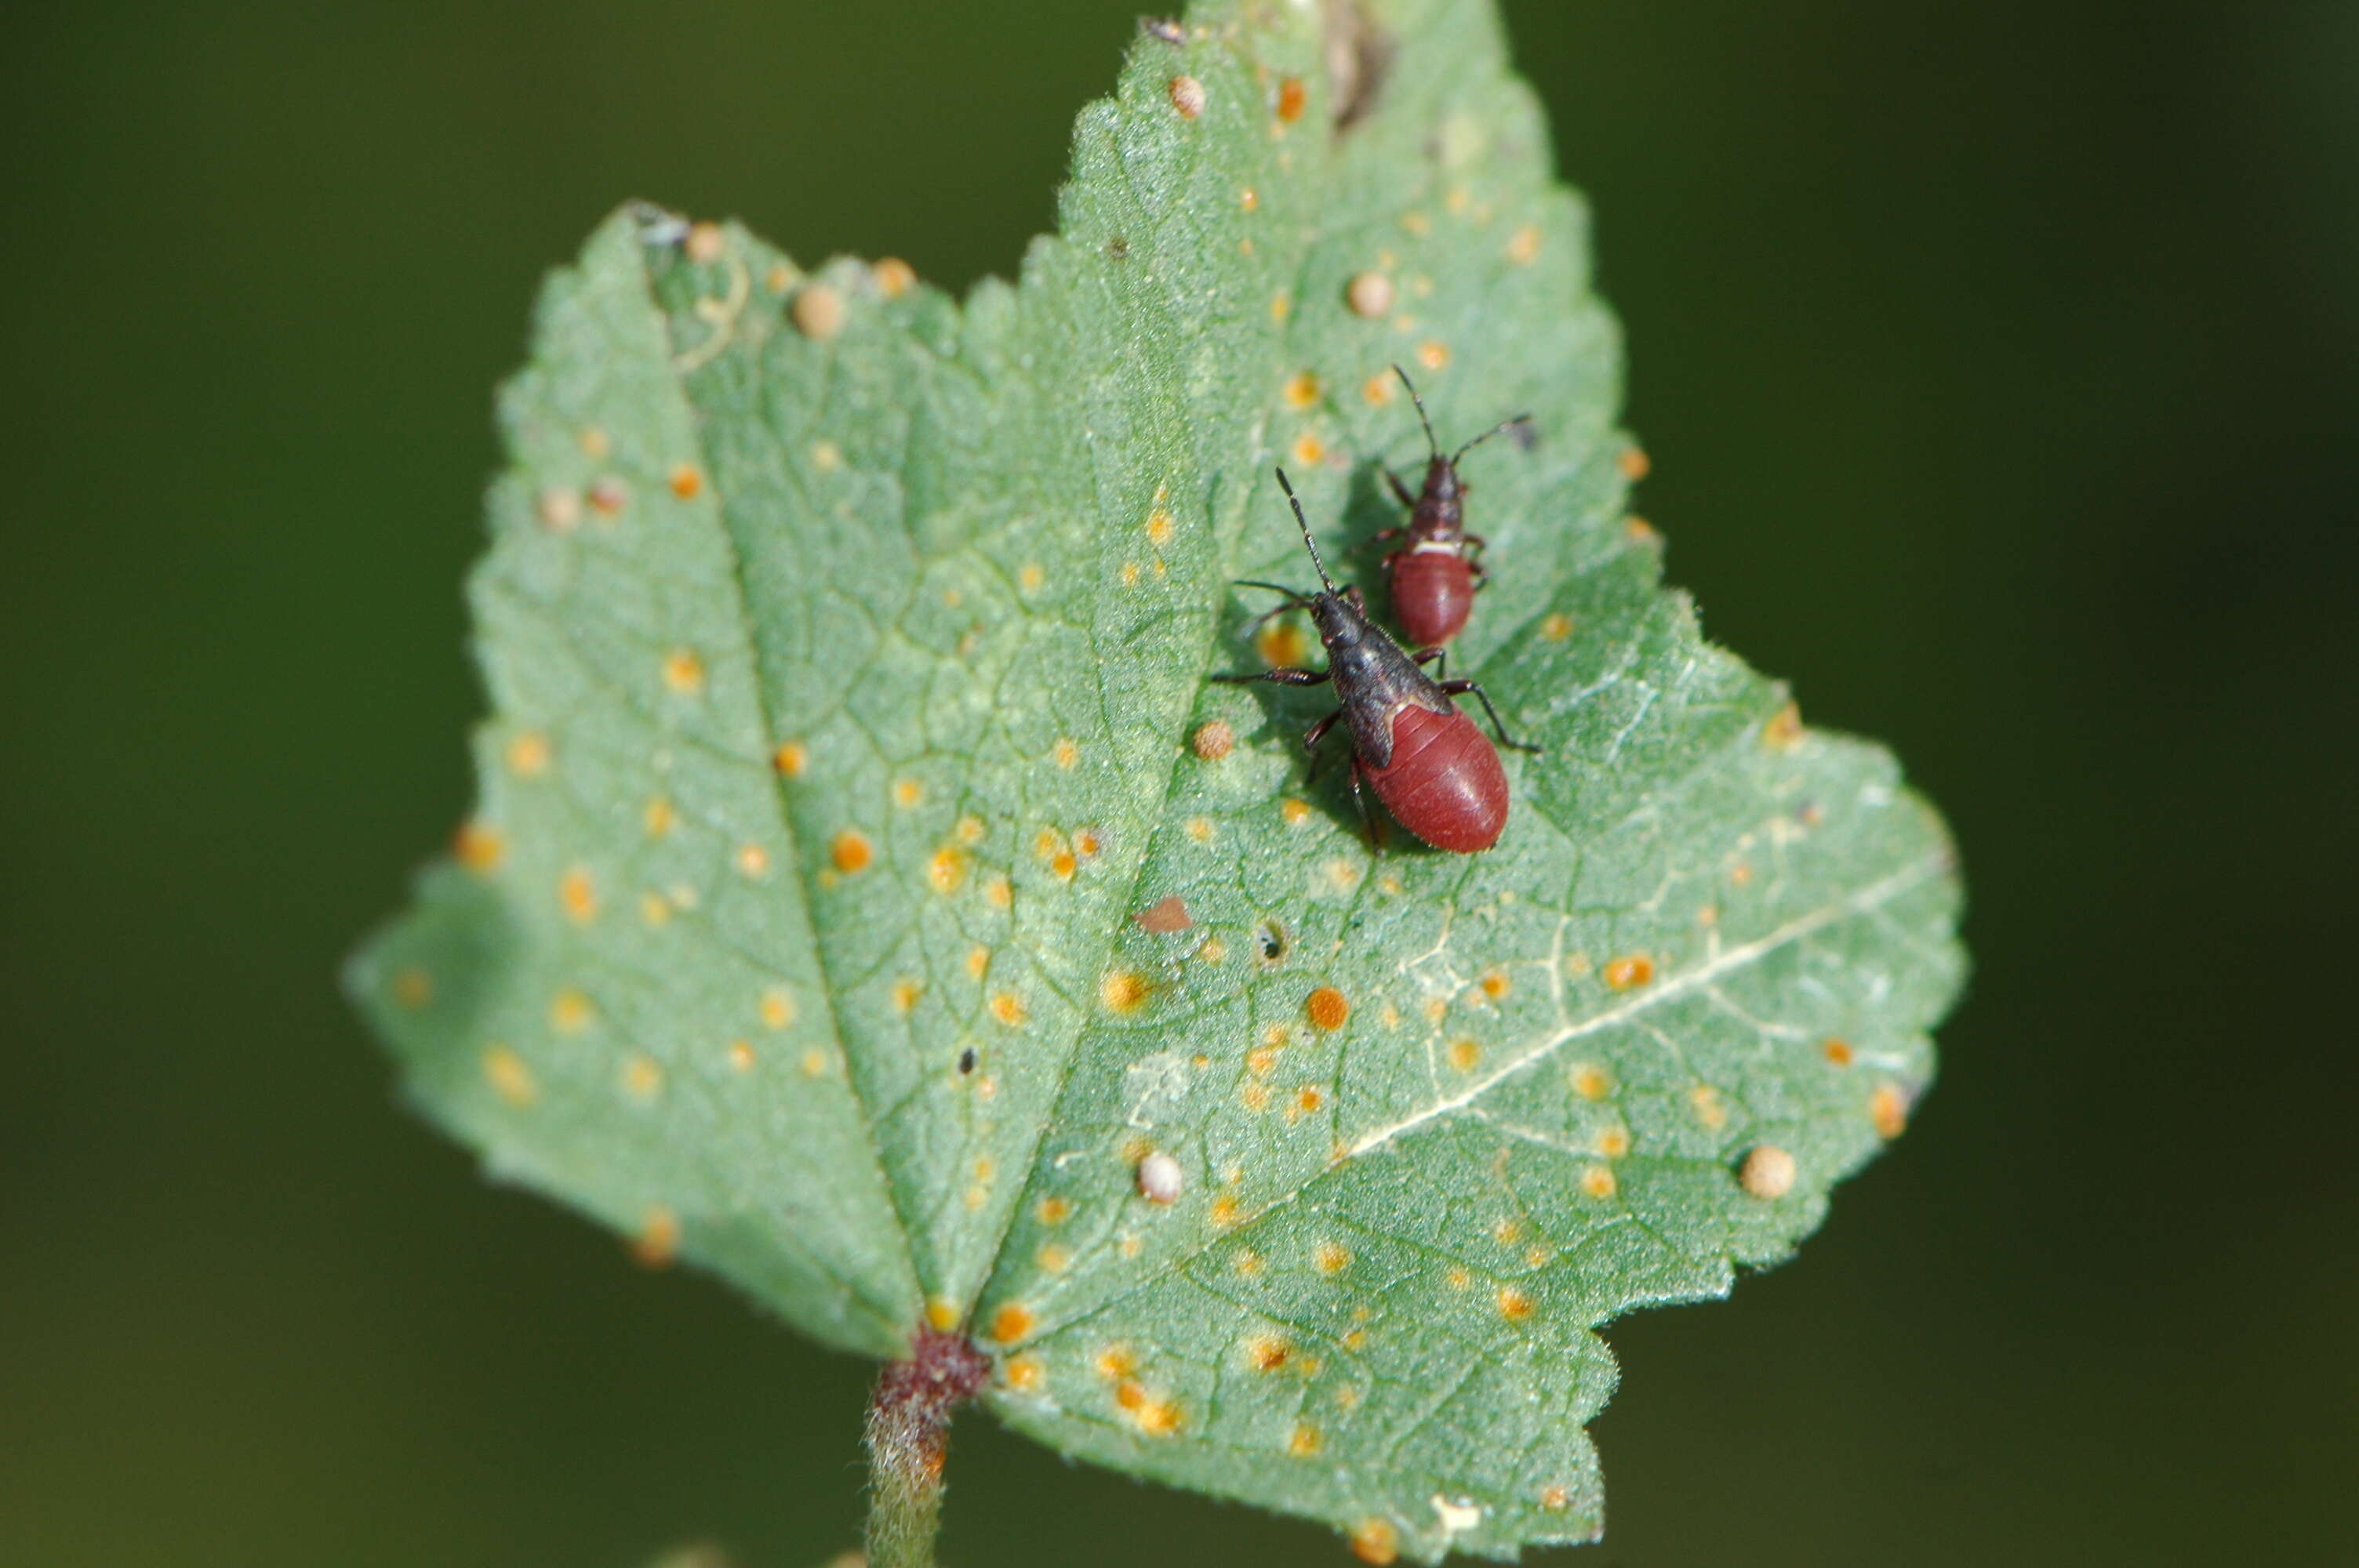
(1454, 686)
(1430, 656)
(1311, 738)
(1400, 489)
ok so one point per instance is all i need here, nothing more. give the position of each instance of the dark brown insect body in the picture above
(1425, 760)
(1434, 575)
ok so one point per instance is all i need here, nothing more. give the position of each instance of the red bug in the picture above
(1425, 761)
(1435, 575)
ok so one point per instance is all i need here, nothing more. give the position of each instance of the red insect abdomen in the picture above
(1445, 783)
(1432, 591)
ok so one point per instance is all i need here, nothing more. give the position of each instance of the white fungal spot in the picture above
(1457, 1516)
(1160, 1178)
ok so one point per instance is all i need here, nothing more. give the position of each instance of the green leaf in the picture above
(845, 646)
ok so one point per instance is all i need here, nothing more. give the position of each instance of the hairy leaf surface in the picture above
(847, 648)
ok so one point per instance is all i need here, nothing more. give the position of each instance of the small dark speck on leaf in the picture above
(966, 1060)
(1166, 916)
(1118, 248)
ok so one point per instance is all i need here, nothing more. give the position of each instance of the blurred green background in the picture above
(2000, 363)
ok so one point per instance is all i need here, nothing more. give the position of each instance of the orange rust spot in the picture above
(657, 1242)
(687, 480)
(1267, 1352)
(1513, 1305)
(1556, 628)
(528, 754)
(1225, 1211)
(1495, 984)
(1186, 96)
(1433, 354)
(1156, 1417)
(1215, 741)
(578, 892)
(1709, 1110)
(570, 1012)
(1159, 527)
(1054, 1259)
(704, 243)
(1327, 1009)
(1457, 1279)
(1507, 1231)
(1129, 574)
(1465, 1053)
(1012, 1323)
(1308, 449)
(1888, 1108)
(480, 847)
(1260, 1060)
(997, 893)
(1612, 1142)
(1599, 1181)
(1634, 464)
(608, 496)
(1556, 1500)
(1026, 1374)
(1330, 1257)
(1296, 812)
(1309, 1098)
(1304, 1441)
(1838, 1051)
(1030, 577)
(1629, 972)
(1302, 390)
(413, 988)
(778, 1007)
(741, 1055)
(1292, 96)
(1255, 1098)
(895, 277)
(1063, 865)
(1638, 531)
(1281, 305)
(942, 1314)
(558, 509)
(790, 759)
(752, 861)
(1281, 643)
(1124, 990)
(978, 960)
(1009, 1009)
(659, 818)
(1116, 1362)
(509, 1077)
(642, 1076)
(1524, 246)
(1248, 198)
(907, 793)
(851, 851)
(814, 1064)
(818, 312)
(1377, 390)
(946, 873)
(1375, 1540)
(1052, 1211)
(1740, 874)
(1066, 754)
(1784, 728)
(969, 830)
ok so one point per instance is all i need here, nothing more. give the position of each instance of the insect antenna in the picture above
(1431, 445)
(1307, 543)
(1501, 428)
